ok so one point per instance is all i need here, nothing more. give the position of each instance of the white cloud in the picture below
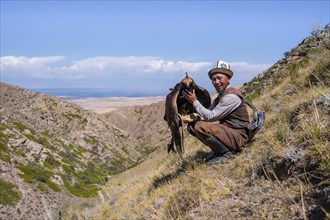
(244, 71)
(248, 68)
(170, 66)
(22, 66)
(114, 70)
(44, 67)
(25, 61)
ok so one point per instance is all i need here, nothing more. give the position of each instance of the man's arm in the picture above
(226, 105)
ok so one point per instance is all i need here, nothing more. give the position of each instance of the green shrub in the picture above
(50, 161)
(81, 190)
(4, 157)
(35, 173)
(91, 140)
(86, 183)
(7, 194)
(19, 126)
(3, 141)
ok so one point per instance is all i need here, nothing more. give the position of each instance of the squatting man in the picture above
(216, 129)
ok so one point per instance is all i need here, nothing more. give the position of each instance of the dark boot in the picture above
(216, 145)
(221, 152)
(219, 158)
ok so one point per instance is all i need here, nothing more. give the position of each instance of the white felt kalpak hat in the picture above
(221, 67)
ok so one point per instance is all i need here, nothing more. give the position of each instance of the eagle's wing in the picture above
(203, 96)
(171, 103)
(173, 119)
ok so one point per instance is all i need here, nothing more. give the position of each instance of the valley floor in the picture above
(104, 105)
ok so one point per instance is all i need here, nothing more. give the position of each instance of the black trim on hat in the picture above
(224, 71)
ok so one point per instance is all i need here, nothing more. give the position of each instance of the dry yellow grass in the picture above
(273, 178)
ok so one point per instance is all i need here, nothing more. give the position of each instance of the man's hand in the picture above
(190, 96)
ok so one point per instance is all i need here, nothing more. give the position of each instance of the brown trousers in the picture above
(233, 139)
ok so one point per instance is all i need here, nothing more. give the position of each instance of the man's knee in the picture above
(203, 130)
(196, 128)
(200, 127)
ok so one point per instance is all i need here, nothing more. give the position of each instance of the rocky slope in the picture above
(52, 151)
(292, 60)
(145, 124)
(283, 174)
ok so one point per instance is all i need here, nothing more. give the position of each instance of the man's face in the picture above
(220, 81)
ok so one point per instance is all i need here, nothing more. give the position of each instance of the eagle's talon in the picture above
(170, 148)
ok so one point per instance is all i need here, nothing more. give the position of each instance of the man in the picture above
(216, 129)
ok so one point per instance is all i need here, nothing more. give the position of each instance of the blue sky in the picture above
(134, 46)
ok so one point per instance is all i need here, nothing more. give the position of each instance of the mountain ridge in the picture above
(283, 173)
(54, 153)
(50, 146)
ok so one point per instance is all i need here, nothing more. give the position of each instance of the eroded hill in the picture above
(53, 151)
(283, 174)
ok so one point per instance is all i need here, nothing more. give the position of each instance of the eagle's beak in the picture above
(187, 83)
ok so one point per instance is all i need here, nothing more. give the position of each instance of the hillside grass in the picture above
(8, 193)
(283, 174)
(83, 182)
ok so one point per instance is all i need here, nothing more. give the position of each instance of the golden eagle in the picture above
(176, 107)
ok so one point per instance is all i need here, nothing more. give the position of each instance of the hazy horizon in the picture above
(145, 47)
